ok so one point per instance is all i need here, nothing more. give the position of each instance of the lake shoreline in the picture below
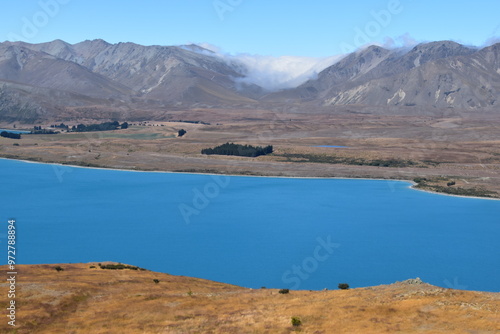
(411, 186)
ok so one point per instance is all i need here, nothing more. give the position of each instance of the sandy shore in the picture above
(412, 184)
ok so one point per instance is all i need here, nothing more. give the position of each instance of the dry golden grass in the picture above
(87, 300)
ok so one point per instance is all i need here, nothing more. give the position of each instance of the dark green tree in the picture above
(238, 150)
(10, 135)
(343, 286)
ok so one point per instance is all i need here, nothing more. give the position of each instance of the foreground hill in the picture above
(83, 298)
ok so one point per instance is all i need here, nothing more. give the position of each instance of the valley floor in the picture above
(460, 149)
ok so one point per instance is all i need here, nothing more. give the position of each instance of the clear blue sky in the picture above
(316, 28)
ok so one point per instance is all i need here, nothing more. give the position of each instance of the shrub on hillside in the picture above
(343, 286)
(296, 321)
(419, 179)
(119, 266)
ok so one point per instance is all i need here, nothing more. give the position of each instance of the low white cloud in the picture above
(275, 73)
(494, 37)
(492, 40)
(210, 47)
(404, 41)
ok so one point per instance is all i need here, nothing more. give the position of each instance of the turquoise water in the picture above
(15, 131)
(251, 231)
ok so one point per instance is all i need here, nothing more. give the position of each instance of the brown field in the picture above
(451, 146)
(86, 300)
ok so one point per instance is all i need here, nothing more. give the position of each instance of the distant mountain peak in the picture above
(58, 41)
(440, 74)
(442, 46)
(374, 49)
(196, 48)
(126, 76)
(95, 41)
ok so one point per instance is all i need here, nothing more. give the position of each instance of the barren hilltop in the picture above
(85, 298)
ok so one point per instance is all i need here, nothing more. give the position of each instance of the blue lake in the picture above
(251, 231)
(15, 131)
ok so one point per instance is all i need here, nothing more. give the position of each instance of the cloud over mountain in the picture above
(275, 73)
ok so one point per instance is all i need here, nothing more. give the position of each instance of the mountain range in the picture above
(96, 79)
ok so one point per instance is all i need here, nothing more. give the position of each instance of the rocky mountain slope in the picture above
(61, 80)
(99, 74)
(167, 73)
(25, 66)
(438, 74)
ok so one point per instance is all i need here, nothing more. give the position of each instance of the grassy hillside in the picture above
(81, 299)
